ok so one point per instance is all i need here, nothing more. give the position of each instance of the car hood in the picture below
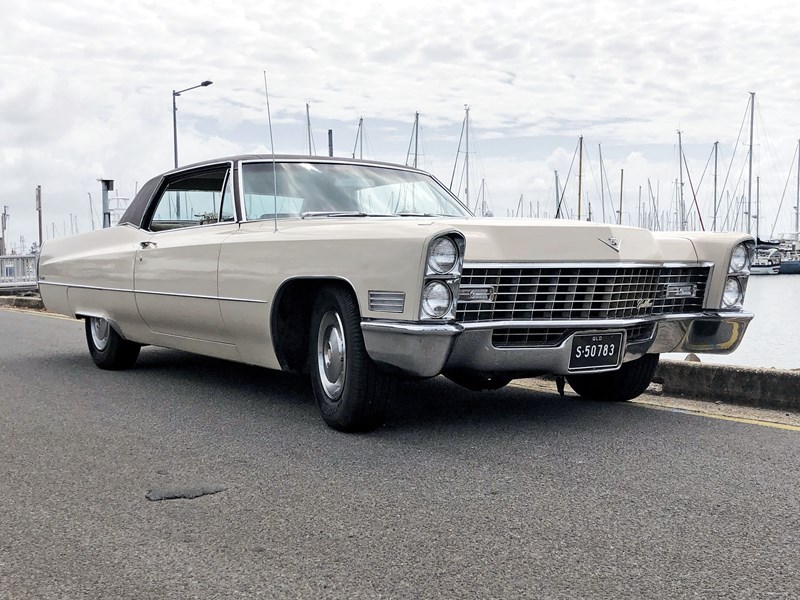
(503, 240)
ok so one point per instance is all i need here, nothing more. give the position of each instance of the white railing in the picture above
(18, 271)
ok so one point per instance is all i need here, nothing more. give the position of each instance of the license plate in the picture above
(595, 350)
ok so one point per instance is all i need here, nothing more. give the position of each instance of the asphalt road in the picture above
(509, 494)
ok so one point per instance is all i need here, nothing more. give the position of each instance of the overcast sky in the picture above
(86, 93)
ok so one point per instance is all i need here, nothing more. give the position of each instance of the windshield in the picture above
(321, 189)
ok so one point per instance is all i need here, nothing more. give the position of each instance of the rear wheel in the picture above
(626, 383)
(106, 346)
(352, 394)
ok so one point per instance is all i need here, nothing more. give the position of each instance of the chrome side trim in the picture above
(173, 294)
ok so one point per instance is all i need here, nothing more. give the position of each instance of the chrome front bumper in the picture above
(426, 350)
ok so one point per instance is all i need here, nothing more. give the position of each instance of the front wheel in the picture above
(352, 394)
(626, 383)
(106, 346)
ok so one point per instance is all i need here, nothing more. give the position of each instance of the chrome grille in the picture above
(392, 302)
(581, 293)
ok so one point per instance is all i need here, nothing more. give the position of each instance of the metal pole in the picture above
(3, 224)
(621, 176)
(174, 128)
(39, 210)
(330, 142)
(750, 169)
(106, 185)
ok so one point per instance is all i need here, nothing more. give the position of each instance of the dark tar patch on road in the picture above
(186, 493)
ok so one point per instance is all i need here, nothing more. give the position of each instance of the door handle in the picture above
(147, 244)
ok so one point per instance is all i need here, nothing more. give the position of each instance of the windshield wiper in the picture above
(419, 214)
(333, 213)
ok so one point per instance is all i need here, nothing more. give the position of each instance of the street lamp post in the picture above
(175, 94)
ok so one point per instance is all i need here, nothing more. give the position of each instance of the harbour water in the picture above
(773, 337)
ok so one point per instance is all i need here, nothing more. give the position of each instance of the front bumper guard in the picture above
(426, 350)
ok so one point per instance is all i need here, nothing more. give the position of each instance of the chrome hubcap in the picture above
(331, 355)
(100, 331)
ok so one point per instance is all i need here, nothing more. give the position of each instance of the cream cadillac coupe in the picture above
(358, 273)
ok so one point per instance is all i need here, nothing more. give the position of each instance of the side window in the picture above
(193, 199)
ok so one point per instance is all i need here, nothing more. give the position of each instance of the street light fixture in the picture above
(175, 94)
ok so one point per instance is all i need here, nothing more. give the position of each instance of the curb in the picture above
(777, 389)
(32, 302)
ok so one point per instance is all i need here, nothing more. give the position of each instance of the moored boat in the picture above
(767, 261)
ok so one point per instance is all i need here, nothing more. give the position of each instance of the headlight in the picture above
(436, 299)
(732, 295)
(443, 255)
(740, 259)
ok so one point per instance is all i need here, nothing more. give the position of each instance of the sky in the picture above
(87, 85)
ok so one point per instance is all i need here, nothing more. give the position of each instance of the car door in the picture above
(175, 271)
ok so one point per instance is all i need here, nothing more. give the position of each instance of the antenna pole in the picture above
(272, 146)
(621, 177)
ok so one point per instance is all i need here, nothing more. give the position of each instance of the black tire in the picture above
(352, 394)
(107, 348)
(478, 383)
(628, 382)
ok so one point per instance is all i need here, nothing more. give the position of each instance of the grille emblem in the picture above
(611, 242)
(647, 303)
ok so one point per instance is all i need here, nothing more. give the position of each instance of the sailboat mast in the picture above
(558, 198)
(750, 169)
(308, 126)
(681, 206)
(466, 160)
(757, 204)
(716, 150)
(621, 176)
(602, 186)
(797, 206)
(416, 137)
(580, 173)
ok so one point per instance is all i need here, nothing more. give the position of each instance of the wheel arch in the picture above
(84, 314)
(290, 317)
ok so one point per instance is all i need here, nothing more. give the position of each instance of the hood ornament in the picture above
(611, 242)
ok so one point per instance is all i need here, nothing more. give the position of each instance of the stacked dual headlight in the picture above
(738, 272)
(444, 262)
